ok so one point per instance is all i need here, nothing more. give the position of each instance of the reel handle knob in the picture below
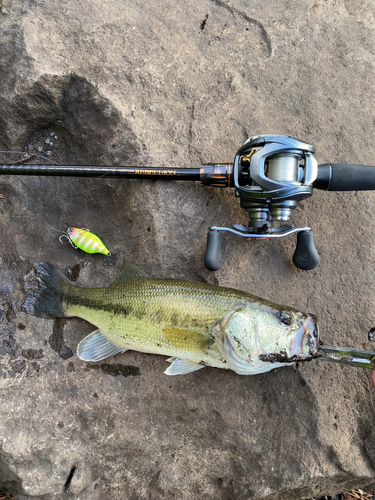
(213, 258)
(305, 256)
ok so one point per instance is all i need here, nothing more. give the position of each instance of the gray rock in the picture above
(172, 84)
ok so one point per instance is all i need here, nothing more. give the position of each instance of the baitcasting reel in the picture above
(271, 174)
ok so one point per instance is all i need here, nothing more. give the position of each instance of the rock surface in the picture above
(179, 84)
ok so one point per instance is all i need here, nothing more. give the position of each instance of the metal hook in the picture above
(68, 238)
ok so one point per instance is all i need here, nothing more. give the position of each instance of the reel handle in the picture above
(213, 258)
(305, 256)
(345, 177)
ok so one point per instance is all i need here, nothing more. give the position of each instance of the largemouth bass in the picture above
(196, 324)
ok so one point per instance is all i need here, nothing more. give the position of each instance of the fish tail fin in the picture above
(47, 300)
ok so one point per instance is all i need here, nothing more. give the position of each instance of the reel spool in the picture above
(271, 174)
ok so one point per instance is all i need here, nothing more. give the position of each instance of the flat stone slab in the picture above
(176, 85)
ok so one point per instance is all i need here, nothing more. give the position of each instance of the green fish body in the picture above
(195, 324)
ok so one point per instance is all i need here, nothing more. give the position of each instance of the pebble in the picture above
(371, 335)
(30, 147)
(47, 140)
(40, 149)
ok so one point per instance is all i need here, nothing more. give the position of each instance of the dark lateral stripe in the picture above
(94, 304)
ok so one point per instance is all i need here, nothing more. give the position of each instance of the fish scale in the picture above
(134, 313)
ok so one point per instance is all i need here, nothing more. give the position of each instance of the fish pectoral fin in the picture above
(96, 347)
(182, 366)
(186, 340)
(129, 270)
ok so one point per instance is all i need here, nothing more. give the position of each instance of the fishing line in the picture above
(32, 154)
(40, 220)
(63, 235)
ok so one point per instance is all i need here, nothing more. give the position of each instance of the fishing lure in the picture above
(80, 238)
(85, 240)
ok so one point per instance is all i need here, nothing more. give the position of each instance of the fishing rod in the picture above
(270, 175)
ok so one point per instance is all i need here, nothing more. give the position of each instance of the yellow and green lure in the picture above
(85, 240)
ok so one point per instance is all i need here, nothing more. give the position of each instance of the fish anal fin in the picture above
(96, 347)
(129, 270)
(182, 366)
(186, 340)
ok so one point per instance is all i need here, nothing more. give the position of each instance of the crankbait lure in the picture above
(85, 240)
(78, 238)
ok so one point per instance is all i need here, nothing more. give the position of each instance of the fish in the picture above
(195, 324)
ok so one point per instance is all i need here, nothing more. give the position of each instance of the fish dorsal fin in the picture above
(96, 347)
(182, 366)
(186, 340)
(130, 270)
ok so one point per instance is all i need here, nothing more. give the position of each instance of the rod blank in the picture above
(180, 174)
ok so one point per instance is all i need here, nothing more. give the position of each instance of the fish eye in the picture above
(70, 229)
(285, 319)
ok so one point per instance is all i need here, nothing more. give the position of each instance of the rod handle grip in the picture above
(345, 177)
(213, 258)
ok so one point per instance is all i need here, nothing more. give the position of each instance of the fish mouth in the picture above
(306, 339)
(304, 345)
